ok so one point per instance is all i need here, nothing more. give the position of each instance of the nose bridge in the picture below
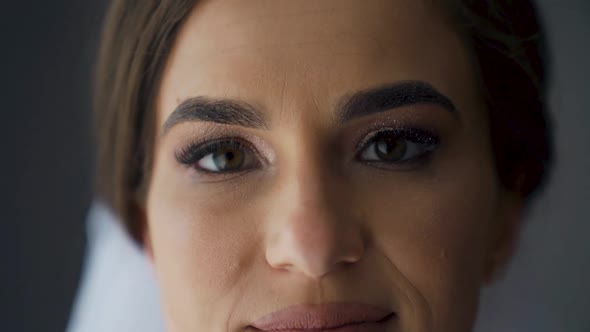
(312, 231)
(311, 182)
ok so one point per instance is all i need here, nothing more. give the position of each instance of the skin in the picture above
(311, 224)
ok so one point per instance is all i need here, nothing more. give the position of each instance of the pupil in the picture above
(228, 158)
(390, 149)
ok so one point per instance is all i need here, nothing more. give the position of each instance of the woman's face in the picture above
(321, 152)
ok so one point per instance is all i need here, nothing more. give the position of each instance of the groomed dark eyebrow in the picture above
(387, 97)
(362, 103)
(223, 111)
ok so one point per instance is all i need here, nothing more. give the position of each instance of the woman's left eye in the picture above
(397, 145)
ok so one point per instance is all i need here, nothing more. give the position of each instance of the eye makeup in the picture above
(396, 147)
(400, 140)
(212, 152)
(416, 135)
(221, 158)
(195, 151)
(417, 128)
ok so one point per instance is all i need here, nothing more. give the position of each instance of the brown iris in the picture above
(390, 148)
(228, 158)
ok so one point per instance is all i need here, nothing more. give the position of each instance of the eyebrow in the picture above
(222, 111)
(387, 97)
(359, 104)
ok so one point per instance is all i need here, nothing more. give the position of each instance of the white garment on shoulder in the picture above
(118, 290)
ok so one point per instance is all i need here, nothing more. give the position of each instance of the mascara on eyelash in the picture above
(195, 151)
(428, 140)
(415, 135)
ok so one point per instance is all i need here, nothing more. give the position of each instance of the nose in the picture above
(313, 229)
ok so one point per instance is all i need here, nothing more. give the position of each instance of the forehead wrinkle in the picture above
(294, 32)
(341, 42)
(257, 19)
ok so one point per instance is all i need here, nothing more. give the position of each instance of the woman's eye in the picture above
(223, 159)
(220, 157)
(392, 146)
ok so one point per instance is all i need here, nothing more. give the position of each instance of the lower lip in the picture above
(365, 327)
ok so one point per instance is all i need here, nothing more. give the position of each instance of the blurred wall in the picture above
(547, 288)
(47, 51)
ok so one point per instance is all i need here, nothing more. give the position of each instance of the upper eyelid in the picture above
(191, 148)
(371, 135)
(211, 144)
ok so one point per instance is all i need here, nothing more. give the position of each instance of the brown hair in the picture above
(507, 46)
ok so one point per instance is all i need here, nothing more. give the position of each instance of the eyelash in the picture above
(195, 152)
(427, 140)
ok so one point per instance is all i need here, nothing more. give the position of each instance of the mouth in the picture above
(333, 317)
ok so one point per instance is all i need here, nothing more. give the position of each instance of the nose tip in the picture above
(315, 248)
(313, 227)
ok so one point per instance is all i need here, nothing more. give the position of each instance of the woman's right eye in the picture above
(225, 156)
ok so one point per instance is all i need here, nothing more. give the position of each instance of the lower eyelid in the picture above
(403, 165)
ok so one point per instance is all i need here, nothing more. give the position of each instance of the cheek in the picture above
(202, 248)
(435, 233)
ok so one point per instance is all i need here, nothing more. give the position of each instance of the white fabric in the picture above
(118, 290)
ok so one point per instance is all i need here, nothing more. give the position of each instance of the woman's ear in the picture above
(505, 233)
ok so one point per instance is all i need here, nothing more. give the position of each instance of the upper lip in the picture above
(321, 316)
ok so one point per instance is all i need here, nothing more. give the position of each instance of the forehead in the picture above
(273, 53)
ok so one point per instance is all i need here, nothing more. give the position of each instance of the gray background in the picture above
(47, 53)
(47, 50)
(548, 285)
